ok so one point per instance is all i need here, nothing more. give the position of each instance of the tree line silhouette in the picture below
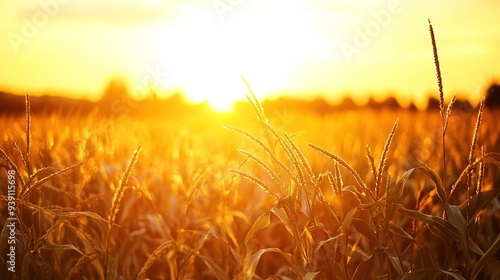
(116, 100)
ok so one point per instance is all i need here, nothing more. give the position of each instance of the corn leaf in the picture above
(365, 229)
(346, 224)
(364, 269)
(436, 179)
(262, 221)
(420, 274)
(426, 258)
(396, 263)
(478, 203)
(311, 275)
(458, 221)
(396, 192)
(283, 217)
(399, 232)
(432, 221)
(487, 255)
(253, 261)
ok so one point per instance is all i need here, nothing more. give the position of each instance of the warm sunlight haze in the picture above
(250, 139)
(328, 49)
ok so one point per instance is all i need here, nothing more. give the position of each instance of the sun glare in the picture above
(219, 91)
(221, 105)
(211, 81)
(207, 61)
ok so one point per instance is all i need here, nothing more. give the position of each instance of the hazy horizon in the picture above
(328, 48)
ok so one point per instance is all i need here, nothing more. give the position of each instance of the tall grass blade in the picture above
(475, 137)
(28, 134)
(21, 155)
(257, 181)
(45, 179)
(12, 165)
(294, 159)
(349, 168)
(302, 158)
(385, 152)
(373, 168)
(115, 203)
(274, 176)
(481, 174)
(78, 266)
(338, 179)
(493, 157)
(438, 70)
(157, 253)
(259, 110)
(264, 147)
(471, 161)
(448, 113)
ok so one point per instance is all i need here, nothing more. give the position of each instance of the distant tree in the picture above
(462, 105)
(116, 90)
(176, 99)
(11, 104)
(493, 96)
(433, 103)
(175, 103)
(390, 103)
(320, 106)
(347, 103)
(412, 107)
(115, 99)
(373, 104)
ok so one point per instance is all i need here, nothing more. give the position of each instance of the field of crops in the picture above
(253, 194)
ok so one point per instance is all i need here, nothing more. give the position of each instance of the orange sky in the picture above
(330, 48)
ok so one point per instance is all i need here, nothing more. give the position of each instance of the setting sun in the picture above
(219, 93)
(206, 60)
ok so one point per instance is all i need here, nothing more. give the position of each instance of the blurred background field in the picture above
(180, 190)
